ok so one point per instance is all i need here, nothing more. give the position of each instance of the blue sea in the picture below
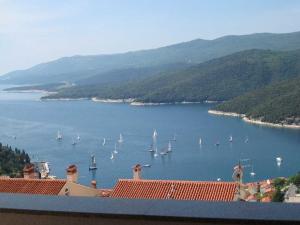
(32, 125)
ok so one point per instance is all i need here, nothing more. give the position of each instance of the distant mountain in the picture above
(215, 80)
(277, 103)
(76, 68)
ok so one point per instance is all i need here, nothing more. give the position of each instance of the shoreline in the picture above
(253, 121)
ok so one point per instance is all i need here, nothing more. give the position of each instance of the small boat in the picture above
(112, 156)
(230, 138)
(246, 140)
(278, 161)
(103, 142)
(219, 179)
(252, 173)
(115, 150)
(169, 147)
(93, 165)
(147, 165)
(174, 137)
(200, 141)
(78, 137)
(155, 154)
(163, 153)
(74, 142)
(154, 136)
(14, 137)
(120, 139)
(217, 143)
(151, 149)
(59, 136)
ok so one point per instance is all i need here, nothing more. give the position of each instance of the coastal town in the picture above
(38, 181)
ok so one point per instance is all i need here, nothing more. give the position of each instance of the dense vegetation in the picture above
(216, 80)
(12, 161)
(277, 103)
(76, 68)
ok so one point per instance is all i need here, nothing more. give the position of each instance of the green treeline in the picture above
(12, 161)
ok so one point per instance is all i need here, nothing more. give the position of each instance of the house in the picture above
(292, 195)
(139, 188)
(30, 184)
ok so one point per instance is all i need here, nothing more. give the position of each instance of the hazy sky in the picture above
(37, 31)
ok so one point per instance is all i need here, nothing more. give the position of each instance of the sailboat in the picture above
(58, 136)
(154, 136)
(115, 150)
(93, 165)
(151, 149)
(230, 138)
(252, 174)
(120, 139)
(78, 137)
(174, 137)
(200, 141)
(112, 156)
(278, 161)
(246, 140)
(169, 147)
(103, 142)
(74, 142)
(155, 154)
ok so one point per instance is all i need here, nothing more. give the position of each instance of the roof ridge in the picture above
(179, 181)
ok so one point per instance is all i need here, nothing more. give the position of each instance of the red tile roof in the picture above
(179, 190)
(31, 186)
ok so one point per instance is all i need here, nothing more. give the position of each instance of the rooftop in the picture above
(174, 189)
(31, 186)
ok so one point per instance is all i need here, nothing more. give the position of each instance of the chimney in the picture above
(94, 184)
(72, 174)
(28, 171)
(137, 172)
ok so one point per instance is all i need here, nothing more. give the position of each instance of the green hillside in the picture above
(216, 80)
(75, 68)
(277, 103)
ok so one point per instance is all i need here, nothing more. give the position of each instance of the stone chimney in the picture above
(72, 174)
(28, 171)
(137, 172)
(94, 184)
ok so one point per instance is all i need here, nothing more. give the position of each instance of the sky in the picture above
(35, 31)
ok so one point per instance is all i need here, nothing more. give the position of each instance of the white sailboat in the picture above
(155, 154)
(174, 137)
(151, 149)
(278, 161)
(112, 156)
(115, 150)
(59, 136)
(169, 147)
(78, 137)
(103, 142)
(247, 140)
(74, 142)
(200, 141)
(120, 139)
(252, 173)
(230, 138)
(93, 165)
(155, 134)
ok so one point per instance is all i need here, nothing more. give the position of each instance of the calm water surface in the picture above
(35, 124)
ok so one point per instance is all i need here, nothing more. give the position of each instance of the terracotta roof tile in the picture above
(179, 190)
(31, 186)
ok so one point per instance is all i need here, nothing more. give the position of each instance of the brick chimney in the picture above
(94, 184)
(72, 174)
(137, 172)
(28, 171)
